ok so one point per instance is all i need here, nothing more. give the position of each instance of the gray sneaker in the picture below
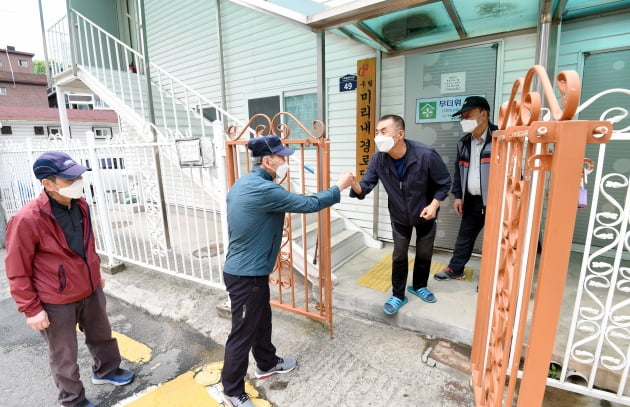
(283, 366)
(449, 274)
(237, 401)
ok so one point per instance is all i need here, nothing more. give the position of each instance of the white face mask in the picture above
(468, 125)
(384, 143)
(74, 191)
(282, 170)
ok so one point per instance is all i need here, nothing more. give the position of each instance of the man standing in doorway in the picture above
(256, 207)
(470, 182)
(417, 181)
(54, 276)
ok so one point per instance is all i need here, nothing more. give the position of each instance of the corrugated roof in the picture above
(35, 113)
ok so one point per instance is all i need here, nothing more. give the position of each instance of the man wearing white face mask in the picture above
(256, 206)
(54, 277)
(470, 182)
(416, 180)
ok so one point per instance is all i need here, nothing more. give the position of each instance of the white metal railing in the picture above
(175, 105)
(597, 351)
(131, 222)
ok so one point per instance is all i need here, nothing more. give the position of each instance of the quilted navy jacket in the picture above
(425, 178)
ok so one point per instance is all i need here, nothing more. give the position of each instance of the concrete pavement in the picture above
(373, 360)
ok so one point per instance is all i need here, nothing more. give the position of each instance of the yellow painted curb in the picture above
(132, 350)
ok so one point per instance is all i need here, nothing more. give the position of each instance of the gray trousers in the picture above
(61, 337)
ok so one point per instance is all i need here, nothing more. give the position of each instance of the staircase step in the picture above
(344, 246)
(336, 226)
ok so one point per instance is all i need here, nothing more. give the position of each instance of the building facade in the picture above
(19, 85)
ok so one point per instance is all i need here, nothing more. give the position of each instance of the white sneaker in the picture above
(240, 401)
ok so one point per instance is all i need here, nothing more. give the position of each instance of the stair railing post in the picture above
(101, 201)
(219, 153)
(71, 38)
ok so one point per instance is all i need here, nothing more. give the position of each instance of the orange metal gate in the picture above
(301, 281)
(527, 154)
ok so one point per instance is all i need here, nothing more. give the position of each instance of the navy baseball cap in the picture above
(58, 164)
(268, 145)
(472, 102)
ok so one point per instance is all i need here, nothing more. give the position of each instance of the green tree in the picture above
(39, 67)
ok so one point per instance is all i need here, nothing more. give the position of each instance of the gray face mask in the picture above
(73, 191)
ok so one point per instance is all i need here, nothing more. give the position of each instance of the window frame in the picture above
(54, 130)
(102, 129)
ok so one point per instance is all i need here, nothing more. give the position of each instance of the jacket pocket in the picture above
(61, 278)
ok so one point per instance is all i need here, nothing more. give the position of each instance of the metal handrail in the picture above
(98, 54)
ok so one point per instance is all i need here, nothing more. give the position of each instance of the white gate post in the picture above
(101, 206)
(219, 148)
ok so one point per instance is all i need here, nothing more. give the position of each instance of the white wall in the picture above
(594, 34)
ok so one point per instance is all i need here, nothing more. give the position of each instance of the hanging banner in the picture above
(366, 102)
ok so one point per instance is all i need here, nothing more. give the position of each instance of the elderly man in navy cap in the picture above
(470, 182)
(256, 206)
(54, 277)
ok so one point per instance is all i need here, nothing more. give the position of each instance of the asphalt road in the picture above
(26, 380)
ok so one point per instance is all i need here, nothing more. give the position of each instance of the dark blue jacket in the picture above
(425, 178)
(256, 206)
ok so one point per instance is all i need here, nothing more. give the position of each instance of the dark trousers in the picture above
(251, 330)
(425, 235)
(61, 337)
(473, 218)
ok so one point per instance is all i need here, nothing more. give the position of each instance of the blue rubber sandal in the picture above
(393, 305)
(423, 293)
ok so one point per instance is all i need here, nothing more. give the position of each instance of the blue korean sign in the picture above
(347, 83)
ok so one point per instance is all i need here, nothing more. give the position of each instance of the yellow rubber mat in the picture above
(379, 277)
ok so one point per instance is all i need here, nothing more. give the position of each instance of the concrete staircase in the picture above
(346, 243)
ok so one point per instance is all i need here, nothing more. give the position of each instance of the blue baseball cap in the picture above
(58, 164)
(268, 145)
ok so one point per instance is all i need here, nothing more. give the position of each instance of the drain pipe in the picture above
(43, 27)
(217, 9)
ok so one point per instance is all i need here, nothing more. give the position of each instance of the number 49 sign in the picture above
(347, 83)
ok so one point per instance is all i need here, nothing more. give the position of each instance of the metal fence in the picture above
(148, 208)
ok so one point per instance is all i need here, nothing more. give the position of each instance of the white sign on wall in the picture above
(454, 82)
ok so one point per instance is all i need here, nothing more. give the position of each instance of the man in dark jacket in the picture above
(256, 207)
(416, 180)
(54, 277)
(470, 184)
